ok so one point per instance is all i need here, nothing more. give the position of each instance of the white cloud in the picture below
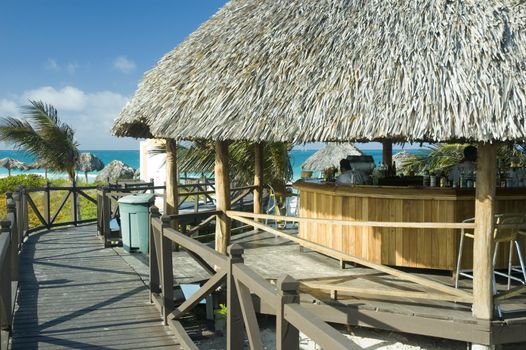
(124, 65)
(68, 98)
(90, 114)
(7, 107)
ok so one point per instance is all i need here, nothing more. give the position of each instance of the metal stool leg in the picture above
(459, 257)
(499, 311)
(521, 261)
(510, 259)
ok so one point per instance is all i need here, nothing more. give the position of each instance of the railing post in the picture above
(234, 322)
(164, 198)
(74, 203)
(287, 336)
(19, 216)
(11, 217)
(154, 266)
(25, 212)
(167, 276)
(5, 283)
(106, 217)
(47, 205)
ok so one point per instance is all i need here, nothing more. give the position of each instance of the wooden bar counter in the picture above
(408, 247)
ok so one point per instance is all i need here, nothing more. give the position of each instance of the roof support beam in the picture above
(222, 182)
(387, 154)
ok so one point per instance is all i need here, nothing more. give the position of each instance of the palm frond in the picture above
(44, 136)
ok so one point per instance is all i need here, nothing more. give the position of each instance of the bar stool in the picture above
(272, 206)
(500, 235)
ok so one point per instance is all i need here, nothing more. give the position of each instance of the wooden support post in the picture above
(5, 282)
(11, 217)
(484, 224)
(172, 192)
(387, 154)
(172, 182)
(153, 256)
(222, 196)
(287, 336)
(234, 324)
(167, 276)
(258, 177)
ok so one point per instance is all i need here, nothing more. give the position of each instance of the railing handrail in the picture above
(357, 223)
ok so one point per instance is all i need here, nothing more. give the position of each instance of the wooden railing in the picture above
(242, 285)
(189, 222)
(12, 232)
(440, 291)
(108, 206)
(48, 217)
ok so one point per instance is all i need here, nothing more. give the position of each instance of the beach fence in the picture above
(49, 206)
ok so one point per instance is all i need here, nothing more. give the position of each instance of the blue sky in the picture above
(87, 57)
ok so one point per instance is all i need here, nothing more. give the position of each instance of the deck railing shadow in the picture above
(242, 286)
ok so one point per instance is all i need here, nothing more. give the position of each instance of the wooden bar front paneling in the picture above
(418, 248)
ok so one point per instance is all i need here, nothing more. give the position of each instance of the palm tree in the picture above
(442, 157)
(43, 135)
(200, 157)
(277, 169)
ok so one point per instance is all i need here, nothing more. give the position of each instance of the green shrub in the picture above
(10, 183)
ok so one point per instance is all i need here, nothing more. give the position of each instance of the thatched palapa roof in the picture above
(341, 70)
(330, 156)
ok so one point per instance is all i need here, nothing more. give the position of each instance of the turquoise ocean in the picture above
(131, 157)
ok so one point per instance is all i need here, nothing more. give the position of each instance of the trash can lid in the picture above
(138, 199)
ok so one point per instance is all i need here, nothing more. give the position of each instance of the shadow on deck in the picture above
(73, 293)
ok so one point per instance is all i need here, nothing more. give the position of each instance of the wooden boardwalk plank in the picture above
(76, 294)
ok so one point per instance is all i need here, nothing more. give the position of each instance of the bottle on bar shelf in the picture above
(469, 180)
(432, 180)
(426, 179)
(443, 180)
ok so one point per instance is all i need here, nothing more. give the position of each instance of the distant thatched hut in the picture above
(400, 159)
(324, 70)
(330, 156)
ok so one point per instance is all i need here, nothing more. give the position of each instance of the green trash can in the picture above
(135, 226)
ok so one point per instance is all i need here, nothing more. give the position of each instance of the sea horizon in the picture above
(132, 158)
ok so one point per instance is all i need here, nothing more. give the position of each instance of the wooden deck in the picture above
(76, 294)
